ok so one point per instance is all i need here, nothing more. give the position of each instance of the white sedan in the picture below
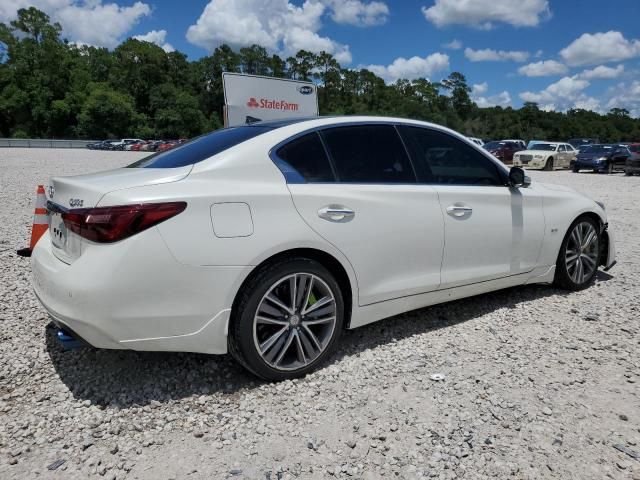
(268, 240)
(546, 156)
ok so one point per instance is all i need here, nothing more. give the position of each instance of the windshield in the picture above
(597, 149)
(200, 148)
(550, 147)
(494, 145)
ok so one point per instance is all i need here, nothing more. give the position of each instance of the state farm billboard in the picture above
(251, 98)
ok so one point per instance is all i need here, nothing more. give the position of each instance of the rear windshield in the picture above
(200, 148)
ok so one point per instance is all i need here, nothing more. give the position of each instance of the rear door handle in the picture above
(336, 213)
(459, 210)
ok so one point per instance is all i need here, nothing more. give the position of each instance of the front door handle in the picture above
(336, 213)
(459, 210)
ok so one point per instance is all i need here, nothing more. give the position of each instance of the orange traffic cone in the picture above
(40, 222)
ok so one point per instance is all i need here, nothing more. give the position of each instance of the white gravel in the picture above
(538, 383)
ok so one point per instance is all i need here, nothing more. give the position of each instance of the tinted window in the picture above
(200, 148)
(368, 154)
(306, 157)
(443, 159)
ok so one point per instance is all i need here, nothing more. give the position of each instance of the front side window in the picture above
(305, 160)
(443, 159)
(368, 154)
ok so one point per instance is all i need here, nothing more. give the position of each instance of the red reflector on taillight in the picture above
(111, 224)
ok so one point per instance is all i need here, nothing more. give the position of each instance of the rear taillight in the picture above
(111, 224)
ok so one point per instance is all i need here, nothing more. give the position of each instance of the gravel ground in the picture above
(538, 383)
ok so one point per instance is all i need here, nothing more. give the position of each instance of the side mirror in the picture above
(517, 178)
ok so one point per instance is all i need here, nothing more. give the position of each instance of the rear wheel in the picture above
(287, 319)
(577, 261)
(549, 165)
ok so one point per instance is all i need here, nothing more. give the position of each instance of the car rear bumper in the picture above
(134, 295)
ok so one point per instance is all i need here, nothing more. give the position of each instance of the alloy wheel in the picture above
(294, 321)
(581, 255)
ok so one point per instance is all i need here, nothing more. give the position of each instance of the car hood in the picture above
(592, 155)
(535, 152)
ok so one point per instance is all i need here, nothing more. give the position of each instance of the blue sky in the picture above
(559, 53)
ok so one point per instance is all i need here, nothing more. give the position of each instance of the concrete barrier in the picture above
(43, 143)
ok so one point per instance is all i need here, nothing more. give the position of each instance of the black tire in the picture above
(575, 169)
(562, 278)
(549, 165)
(628, 173)
(609, 168)
(241, 341)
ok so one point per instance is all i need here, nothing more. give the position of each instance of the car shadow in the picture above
(123, 378)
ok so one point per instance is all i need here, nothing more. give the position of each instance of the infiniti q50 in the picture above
(266, 241)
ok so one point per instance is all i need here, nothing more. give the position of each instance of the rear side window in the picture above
(200, 148)
(443, 159)
(305, 160)
(368, 154)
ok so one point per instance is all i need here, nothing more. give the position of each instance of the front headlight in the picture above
(601, 205)
(537, 156)
(602, 159)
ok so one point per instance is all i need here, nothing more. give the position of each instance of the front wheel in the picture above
(549, 165)
(579, 254)
(287, 319)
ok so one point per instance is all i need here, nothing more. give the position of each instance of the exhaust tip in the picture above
(69, 342)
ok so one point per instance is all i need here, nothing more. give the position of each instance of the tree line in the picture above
(51, 88)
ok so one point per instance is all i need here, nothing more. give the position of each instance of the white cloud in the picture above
(602, 71)
(158, 37)
(488, 55)
(561, 95)
(356, 12)
(412, 68)
(479, 88)
(543, 68)
(485, 13)
(277, 25)
(502, 99)
(625, 95)
(88, 22)
(591, 49)
(453, 45)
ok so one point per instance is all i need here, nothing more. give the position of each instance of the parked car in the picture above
(579, 142)
(477, 141)
(632, 165)
(546, 156)
(130, 144)
(503, 150)
(521, 143)
(102, 145)
(268, 240)
(603, 158)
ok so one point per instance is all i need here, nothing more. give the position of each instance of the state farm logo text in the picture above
(272, 104)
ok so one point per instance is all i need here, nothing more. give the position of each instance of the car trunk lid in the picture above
(85, 191)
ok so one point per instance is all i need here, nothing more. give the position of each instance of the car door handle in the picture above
(459, 210)
(335, 213)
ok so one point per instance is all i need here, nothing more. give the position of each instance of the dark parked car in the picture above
(603, 158)
(503, 150)
(579, 142)
(632, 166)
(103, 145)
